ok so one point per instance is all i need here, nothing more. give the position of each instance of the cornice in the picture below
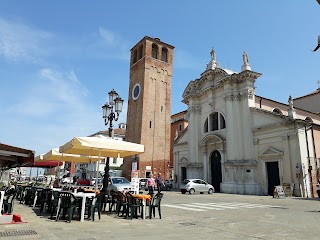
(193, 89)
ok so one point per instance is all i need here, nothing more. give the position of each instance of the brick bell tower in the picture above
(149, 106)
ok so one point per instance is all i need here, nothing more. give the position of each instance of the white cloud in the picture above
(109, 37)
(20, 42)
(52, 111)
(55, 106)
(108, 44)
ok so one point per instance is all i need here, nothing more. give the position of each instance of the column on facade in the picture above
(230, 140)
(205, 164)
(176, 169)
(248, 101)
(193, 127)
(238, 131)
(287, 178)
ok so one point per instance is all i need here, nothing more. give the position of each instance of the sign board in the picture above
(148, 168)
(135, 173)
(134, 166)
(278, 192)
(135, 185)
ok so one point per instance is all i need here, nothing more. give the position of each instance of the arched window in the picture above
(217, 121)
(140, 52)
(164, 55)
(277, 111)
(205, 127)
(154, 50)
(308, 119)
(222, 122)
(135, 56)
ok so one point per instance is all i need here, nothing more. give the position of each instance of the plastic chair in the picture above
(19, 193)
(67, 202)
(27, 196)
(54, 202)
(133, 205)
(113, 201)
(94, 204)
(32, 195)
(8, 203)
(155, 203)
(45, 198)
(121, 203)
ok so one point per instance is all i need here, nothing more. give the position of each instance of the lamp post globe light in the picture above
(110, 113)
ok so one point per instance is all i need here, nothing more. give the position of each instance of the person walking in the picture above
(151, 184)
(160, 183)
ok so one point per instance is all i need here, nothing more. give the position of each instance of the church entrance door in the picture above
(183, 173)
(273, 176)
(216, 175)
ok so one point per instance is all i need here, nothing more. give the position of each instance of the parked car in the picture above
(66, 180)
(168, 184)
(196, 185)
(143, 184)
(93, 181)
(119, 184)
(83, 182)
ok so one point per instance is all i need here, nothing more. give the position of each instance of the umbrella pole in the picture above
(70, 174)
(97, 171)
(37, 175)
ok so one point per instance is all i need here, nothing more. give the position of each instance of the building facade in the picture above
(149, 106)
(178, 125)
(243, 143)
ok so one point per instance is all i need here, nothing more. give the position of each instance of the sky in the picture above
(59, 59)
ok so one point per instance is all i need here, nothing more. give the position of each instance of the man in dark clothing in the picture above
(159, 182)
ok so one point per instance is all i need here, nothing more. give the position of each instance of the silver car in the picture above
(196, 185)
(119, 184)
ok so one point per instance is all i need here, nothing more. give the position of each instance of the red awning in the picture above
(47, 164)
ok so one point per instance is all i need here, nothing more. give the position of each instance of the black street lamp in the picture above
(110, 113)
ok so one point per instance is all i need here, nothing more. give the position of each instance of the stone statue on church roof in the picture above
(245, 58)
(213, 62)
(246, 65)
(213, 55)
(290, 102)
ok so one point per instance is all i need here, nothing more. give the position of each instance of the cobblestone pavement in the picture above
(199, 216)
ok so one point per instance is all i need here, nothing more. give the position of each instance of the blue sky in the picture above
(59, 59)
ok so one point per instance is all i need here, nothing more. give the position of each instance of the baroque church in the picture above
(243, 143)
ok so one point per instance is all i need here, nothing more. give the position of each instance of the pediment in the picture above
(212, 139)
(183, 138)
(183, 160)
(270, 152)
(266, 119)
(209, 79)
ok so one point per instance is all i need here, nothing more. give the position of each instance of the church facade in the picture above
(243, 143)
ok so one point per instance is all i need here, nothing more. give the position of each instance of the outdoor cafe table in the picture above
(82, 195)
(145, 198)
